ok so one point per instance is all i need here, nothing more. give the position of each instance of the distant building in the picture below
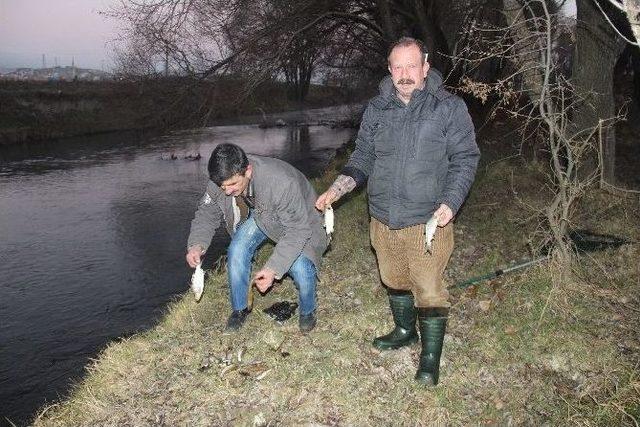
(68, 73)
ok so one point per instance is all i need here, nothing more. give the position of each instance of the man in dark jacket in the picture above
(260, 198)
(416, 147)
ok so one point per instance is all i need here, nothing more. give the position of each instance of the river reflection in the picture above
(93, 240)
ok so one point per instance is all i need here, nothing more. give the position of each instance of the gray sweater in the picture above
(284, 211)
(415, 156)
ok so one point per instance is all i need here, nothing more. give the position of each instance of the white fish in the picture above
(328, 220)
(197, 282)
(430, 232)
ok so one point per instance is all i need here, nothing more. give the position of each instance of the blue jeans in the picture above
(244, 244)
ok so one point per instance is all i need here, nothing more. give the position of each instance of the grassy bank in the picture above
(519, 350)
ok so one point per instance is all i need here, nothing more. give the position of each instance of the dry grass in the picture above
(519, 350)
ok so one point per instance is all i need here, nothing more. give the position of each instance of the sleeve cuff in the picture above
(453, 206)
(278, 272)
(359, 177)
(200, 245)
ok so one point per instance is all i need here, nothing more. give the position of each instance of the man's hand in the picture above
(444, 215)
(326, 199)
(264, 279)
(194, 256)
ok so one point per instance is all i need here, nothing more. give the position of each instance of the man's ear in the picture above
(249, 171)
(425, 69)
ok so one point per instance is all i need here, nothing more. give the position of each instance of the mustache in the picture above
(406, 82)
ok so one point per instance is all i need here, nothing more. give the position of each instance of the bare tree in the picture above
(631, 10)
(597, 50)
(290, 49)
(204, 37)
(534, 89)
(192, 35)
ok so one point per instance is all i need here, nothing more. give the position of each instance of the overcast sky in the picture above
(59, 29)
(62, 30)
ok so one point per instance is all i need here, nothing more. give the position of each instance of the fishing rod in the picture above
(584, 241)
(472, 281)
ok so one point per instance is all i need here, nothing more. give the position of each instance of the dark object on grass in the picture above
(588, 241)
(282, 310)
(584, 241)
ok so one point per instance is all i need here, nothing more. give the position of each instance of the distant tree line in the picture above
(292, 40)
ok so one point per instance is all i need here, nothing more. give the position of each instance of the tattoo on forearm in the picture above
(342, 185)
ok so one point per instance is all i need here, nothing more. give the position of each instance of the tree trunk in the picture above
(632, 10)
(528, 56)
(596, 53)
(385, 18)
(635, 66)
(432, 37)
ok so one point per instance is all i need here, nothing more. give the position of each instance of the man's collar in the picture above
(432, 85)
(416, 92)
(250, 189)
(248, 195)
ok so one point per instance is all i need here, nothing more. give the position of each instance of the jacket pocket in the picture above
(429, 142)
(421, 183)
(382, 140)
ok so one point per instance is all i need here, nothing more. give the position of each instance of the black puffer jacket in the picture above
(415, 156)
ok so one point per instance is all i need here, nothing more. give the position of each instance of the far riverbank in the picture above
(37, 111)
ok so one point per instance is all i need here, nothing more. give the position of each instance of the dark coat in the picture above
(284, 211)
(415, 156)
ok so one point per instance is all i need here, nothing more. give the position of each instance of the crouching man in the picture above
(260, 198)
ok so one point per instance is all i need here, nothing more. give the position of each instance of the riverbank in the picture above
(35, 111)
(118, 198)
(519, 350)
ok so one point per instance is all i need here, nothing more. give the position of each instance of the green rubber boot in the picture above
(432, 323)
(404, 316)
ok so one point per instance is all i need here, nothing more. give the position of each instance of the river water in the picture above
(93, 233)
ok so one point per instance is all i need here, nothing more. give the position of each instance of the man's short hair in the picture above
(406, 42)
(226, 161)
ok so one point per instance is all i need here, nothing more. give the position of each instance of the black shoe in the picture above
(236, 320)
(307, 321)
(404, 318)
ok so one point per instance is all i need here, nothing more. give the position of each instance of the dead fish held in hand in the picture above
(328, 220)
(197, 282)
(430, 232)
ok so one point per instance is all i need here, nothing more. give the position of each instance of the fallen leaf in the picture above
(253, 369)
(262, 375)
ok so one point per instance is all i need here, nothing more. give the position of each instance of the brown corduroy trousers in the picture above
(405, 264)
